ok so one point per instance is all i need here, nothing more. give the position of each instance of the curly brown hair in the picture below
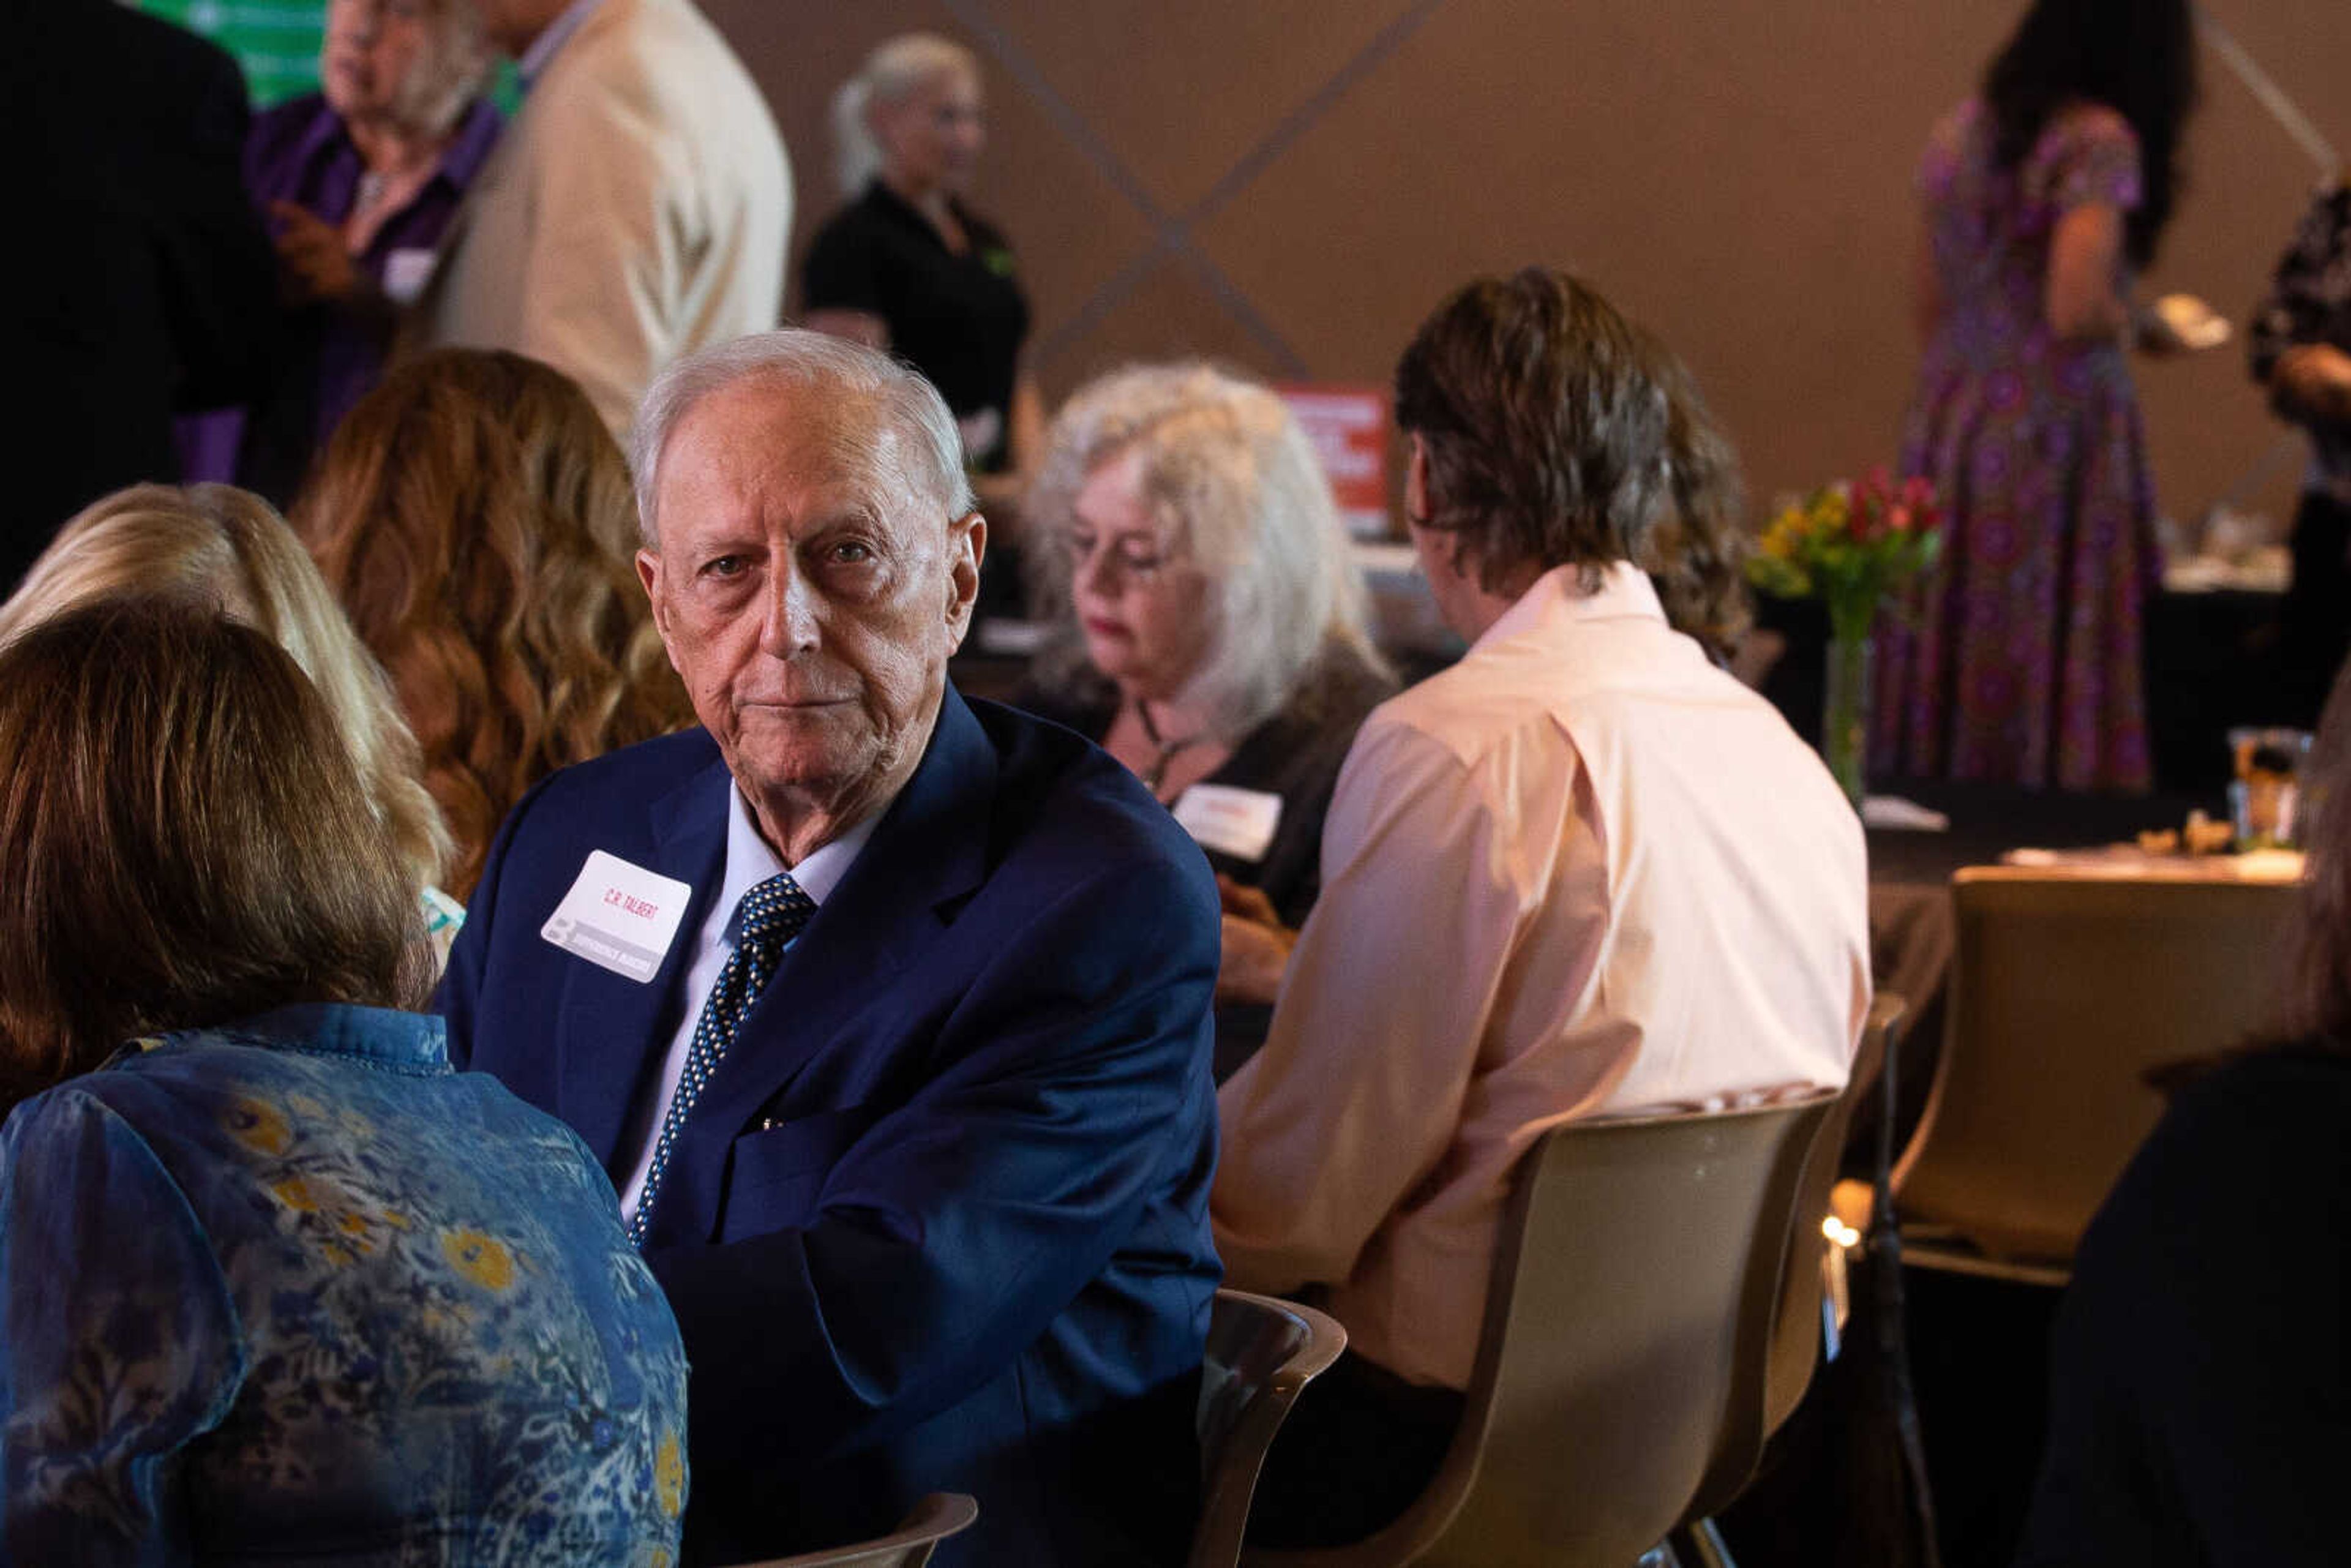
(475, 517)
(1697, 549)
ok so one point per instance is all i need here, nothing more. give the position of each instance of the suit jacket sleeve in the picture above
(952, 1233)
(612, 242)
(217, 271)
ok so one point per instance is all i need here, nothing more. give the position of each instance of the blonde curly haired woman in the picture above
(228, 548)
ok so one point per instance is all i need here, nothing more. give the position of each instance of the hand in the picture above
(1255, 945)
(2180, 324)
(2313, 380)
(310, 250)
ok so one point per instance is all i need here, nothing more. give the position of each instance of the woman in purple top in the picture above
(2045, 195)
(358, 181)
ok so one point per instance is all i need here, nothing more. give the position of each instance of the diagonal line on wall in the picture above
(1168, 235)
(1312, 108)
(1171, 236)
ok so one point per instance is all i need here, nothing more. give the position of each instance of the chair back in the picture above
(936, 1517)
(2064, 991)
(1261, 1352)
(1634, 1278)
(1796, 1327)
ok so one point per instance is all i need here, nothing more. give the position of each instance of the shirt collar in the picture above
(478, 133)
(751, 859)
(1623, 590)
(559, 32)
(411, 1042)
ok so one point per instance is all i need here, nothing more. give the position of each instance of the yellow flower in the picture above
(295, 1194)
(669, 1474)
(482, 1259)
(259, 1126)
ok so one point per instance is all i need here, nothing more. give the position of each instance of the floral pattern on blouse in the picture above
(294, 1290)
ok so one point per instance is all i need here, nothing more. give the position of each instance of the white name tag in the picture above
(1231, 821)
(406, 271)
(620, 916)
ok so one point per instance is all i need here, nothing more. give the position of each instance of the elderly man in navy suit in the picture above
(886, 1012)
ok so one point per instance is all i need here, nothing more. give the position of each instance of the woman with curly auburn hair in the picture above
(476, 519)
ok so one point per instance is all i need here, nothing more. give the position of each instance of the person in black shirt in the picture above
(2301, 343)
(2199, 1402)
(140, 270)
(906, 266)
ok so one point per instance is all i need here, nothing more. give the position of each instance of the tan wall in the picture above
(1290, 185)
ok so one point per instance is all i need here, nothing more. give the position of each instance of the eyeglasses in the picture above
(1134, 557)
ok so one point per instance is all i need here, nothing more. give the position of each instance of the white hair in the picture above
(896, 67)
(908, 433)
(1238, 493)
(449, 73)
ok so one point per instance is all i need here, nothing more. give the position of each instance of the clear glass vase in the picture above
(1846, 707)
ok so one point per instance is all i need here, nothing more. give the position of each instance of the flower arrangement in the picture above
(1852, 545)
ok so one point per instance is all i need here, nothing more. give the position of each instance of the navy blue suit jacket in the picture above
(939, 1221)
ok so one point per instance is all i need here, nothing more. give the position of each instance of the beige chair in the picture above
(2064, 992)
(1634, 1279)
(1800, 1327)
(1261, 1352)
(1800, 1319)
(936, 1517)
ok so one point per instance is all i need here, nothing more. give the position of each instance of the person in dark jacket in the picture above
(143, 269)
(2201, 1378)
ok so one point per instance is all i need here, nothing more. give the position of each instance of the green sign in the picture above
(277, 41)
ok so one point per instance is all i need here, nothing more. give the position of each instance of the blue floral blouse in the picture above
(296, 1290)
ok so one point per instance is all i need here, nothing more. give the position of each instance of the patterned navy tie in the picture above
(771, 916)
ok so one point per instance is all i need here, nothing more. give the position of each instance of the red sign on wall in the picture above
(1348, 428)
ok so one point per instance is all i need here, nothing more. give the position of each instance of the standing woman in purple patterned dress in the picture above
(2045, 195)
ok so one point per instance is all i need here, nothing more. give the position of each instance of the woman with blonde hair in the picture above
(907, 266)
(1210, 634)
(228, 548)
(476, 519)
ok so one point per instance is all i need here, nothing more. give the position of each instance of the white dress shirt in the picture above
(1582, 873)
(749, 862)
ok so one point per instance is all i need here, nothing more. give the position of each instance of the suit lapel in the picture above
(613, 1028)
(928, 854)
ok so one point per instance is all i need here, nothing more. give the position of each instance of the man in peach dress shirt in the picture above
(1584, 872)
